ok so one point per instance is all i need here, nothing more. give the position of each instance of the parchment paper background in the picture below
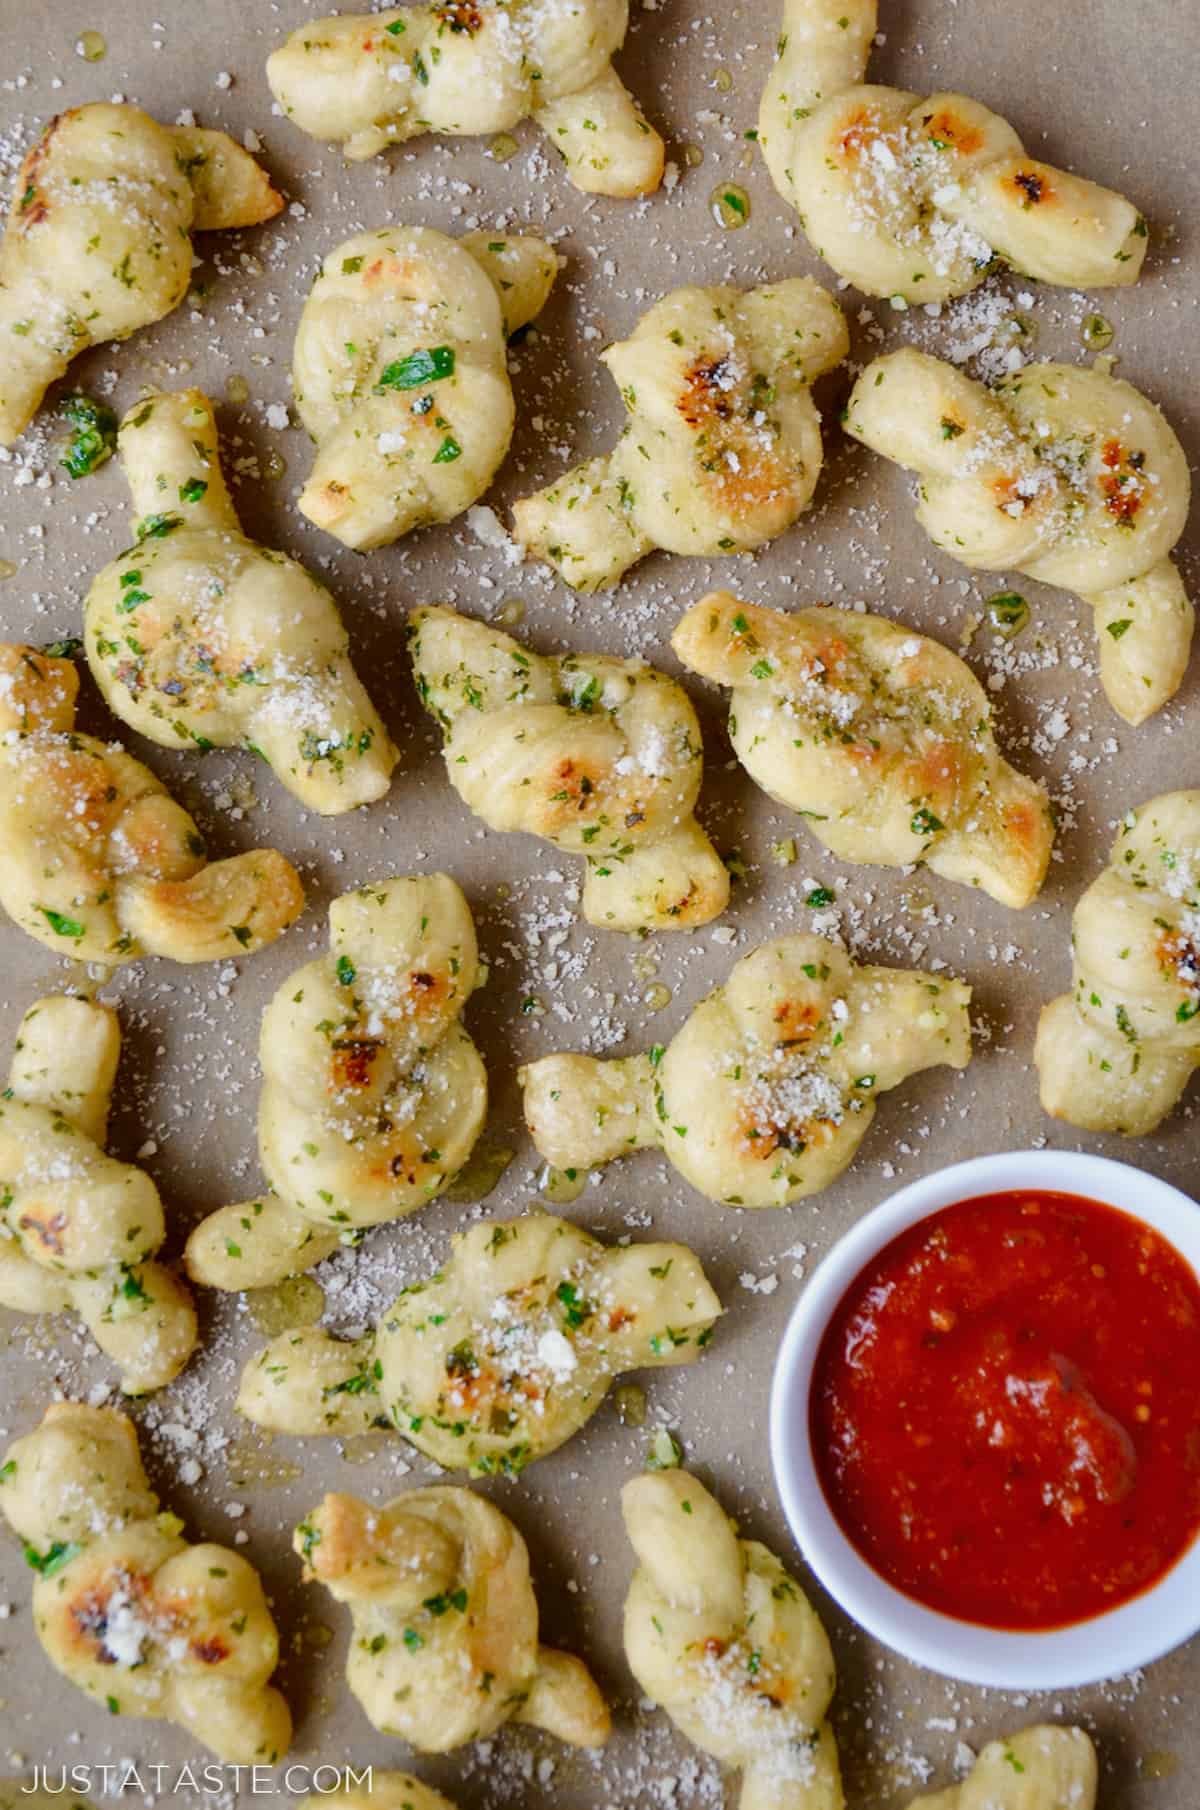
(1099, 85)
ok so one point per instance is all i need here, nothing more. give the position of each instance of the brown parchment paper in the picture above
(1099, 85)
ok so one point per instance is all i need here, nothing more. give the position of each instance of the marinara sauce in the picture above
(1005, 1410)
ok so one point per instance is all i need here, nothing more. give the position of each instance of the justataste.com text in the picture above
(211, 1780)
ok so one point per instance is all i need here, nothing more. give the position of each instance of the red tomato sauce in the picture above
(1005, 1410)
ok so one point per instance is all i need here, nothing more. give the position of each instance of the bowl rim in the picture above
(1106, 1646)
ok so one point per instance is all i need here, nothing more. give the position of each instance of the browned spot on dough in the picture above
(484, 1388)
(89, 1611)
(762, 1141)
(571, 787)
(428, 992)
(353, 1061)
(796, 1021)
(1024, 824)
(860, 131)
(707, 393)
(1032, 187)
(34, 211)
(948, 129)
(1007, 491)
(48, 1232)
(460, 15)
(1179, 958)
(941, 770)
(1120, 482)
(737, 454)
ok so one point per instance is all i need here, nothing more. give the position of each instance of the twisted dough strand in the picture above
(499, 1358)
(601, 756)
(880, 738)
(99, 860)
(373, 1093)
(1042, 1768)
(765, 1094)
(445, 1646)
(918, 198)
(721, 451)
(720, 1636)
(1117, 1052)
(98, 241)
(78, 1229)
(200, 638)
(464, 67)
(124, 1607)
(401, 377)
(1068, 475)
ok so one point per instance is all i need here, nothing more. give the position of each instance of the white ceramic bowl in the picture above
(1105, 1646)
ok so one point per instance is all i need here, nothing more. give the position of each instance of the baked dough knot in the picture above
(445, 1642)
(721, 450)
(135, 1616)
(400, 375)
(1068, 475)
(98, 241)
(1117, 1052)
(100, 863)
(921, 198)
(724, 1639)
(881, 738)
(602, 757)
(466, 67)
(1041, 1768)
(499, 1358)
(373, 1093)
(78, 1229)
(767, 1091)
(200, 638)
